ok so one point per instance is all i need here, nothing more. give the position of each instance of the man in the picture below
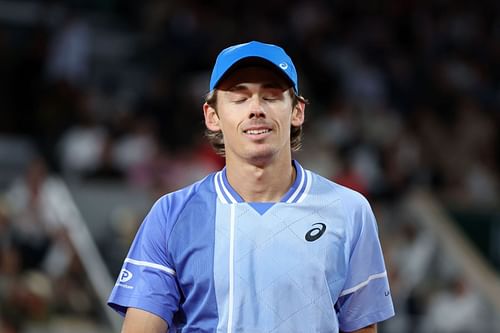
(263, 245)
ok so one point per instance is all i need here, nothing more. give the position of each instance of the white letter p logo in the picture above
(125, 275)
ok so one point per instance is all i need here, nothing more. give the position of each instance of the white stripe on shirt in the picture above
(151, 264)
(231, 271)
(364, 283)
(217, 188)
(297, 190)
(308, 176)
(226, 191)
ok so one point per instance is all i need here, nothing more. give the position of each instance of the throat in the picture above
(256, 184)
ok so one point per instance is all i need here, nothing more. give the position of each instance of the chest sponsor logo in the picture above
(316, 232)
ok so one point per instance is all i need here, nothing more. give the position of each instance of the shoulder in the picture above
(352, 205)
(350, 199)
(164, 214)
(358, 216)
(171, 204)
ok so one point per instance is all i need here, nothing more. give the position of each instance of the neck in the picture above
(261, 183)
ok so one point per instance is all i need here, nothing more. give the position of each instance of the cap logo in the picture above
(283, 65)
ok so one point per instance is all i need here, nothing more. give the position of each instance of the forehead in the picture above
(254, 74)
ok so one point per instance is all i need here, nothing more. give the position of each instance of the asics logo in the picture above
(125, 276)
(316, 232)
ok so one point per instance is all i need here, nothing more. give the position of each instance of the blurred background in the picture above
(100, 114)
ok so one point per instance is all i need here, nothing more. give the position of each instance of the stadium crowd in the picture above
(403, 94)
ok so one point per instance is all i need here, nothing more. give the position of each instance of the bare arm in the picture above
(368, 329)
(140, 321)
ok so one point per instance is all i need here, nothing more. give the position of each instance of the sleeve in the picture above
(365, 298)
(148, 279)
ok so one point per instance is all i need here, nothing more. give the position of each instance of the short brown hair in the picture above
(216, 138)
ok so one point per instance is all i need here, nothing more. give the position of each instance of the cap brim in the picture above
(250, 62)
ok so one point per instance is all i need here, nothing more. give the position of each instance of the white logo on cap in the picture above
(284, 65)
(125, 275)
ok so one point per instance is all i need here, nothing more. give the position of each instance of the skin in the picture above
(254, 111)
(368, 329)
(140, 321)
(258, 165)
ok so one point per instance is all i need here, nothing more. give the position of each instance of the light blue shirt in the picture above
(206, 261)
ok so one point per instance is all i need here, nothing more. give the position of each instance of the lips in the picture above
(257, 131)
(257, 127)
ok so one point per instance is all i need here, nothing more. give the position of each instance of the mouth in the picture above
(257, 131)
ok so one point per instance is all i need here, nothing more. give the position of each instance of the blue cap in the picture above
(273, 54)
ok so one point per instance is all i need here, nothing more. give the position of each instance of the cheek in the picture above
(287, 119)
(228, 125)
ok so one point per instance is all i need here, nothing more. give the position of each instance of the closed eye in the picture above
(239, 100)
(273, 96)
(237, 97)
(272, 93)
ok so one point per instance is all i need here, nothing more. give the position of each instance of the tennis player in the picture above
(263, 245)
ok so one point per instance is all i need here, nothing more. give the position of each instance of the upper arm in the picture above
(365, 298)
(368, 329)
(140, 321)
(148, 280)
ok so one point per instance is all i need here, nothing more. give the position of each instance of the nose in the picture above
(256, 108)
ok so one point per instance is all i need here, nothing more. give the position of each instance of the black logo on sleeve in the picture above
(316, 232)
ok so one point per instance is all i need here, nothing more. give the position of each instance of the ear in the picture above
(298, 114)
(211, 118)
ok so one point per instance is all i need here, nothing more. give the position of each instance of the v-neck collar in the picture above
(295, 193)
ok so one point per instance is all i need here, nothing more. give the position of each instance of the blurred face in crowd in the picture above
(254, 111)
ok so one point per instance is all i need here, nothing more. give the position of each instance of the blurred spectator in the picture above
(106, 168)
(10, 268)
(68, 57)
(138, 144)
(33, 225)
(82, 146)
(411, 255)
(36, 255)
(455, 309)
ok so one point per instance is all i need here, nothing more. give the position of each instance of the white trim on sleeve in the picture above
(151, 264)
(363, 284)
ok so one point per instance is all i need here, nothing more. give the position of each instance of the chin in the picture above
(262, 155)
